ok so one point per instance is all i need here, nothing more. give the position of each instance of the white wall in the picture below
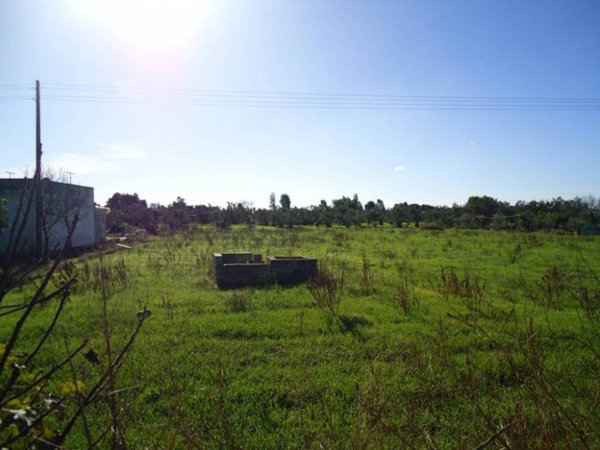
(60, 201)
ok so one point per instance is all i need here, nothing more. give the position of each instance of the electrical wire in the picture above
(12, 98)
(320, 104)
(14, 86)
(60, 92)
(131, 89)
(317, 106)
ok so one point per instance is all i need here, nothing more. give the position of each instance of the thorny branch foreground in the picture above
(34, 413)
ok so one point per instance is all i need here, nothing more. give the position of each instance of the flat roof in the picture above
(16, 183)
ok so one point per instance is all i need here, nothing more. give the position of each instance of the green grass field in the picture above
(441, 339)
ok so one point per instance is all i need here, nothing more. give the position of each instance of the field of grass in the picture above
(441, 339)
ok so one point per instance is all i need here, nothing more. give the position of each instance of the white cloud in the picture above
(108, 158)
(399, 169)
(79, 164)
(119, 151)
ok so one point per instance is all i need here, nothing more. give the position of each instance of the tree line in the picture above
(579, 215)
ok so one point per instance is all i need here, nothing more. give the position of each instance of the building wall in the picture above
(61, 203)
(100, 223)
(12, 191)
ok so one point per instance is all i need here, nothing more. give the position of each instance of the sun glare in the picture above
(150, 24)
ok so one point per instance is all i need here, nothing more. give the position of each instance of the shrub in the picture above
(470, 289)
(406, 298)
(552, 285)
(238, 303)
(326, 289)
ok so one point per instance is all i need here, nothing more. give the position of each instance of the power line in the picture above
(319, 104)
(132, 89)
(15, 92)
(10, 98)
(339, 99)
(106, 94)
(15, 86)
(314, 100)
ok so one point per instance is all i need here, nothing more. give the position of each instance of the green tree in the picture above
(179, 213)
(375, 212)
(285, 201)
(272, 202)
(399, 214)
(414, 211)
(348, 211)
(323, 214)
(484, 208)
(129, 209)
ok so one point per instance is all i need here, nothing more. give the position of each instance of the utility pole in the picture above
(70, 175)
(38, 174)
(10, 174)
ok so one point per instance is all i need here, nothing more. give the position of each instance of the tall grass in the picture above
(405, 339)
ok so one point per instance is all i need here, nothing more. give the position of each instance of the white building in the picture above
(61, 203)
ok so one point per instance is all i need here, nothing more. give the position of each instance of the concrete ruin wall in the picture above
(292, 269)
(237, 270)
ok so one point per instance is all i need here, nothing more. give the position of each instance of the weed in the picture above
(190, 232)
(209, 236)
(405, 297)
(121, 273)
(389, 253)
(449, 282)
(366, 277)
(173, 259)
(204, 266)
(350, 324)
(552, 285)
(414, 251)
(326, 289)
(101, 276)
(340, 238)
(516, 254)
(533, 240)
(470, 289)
(403, 266)
(238, 303)
(272, 302)
(155, 264)
(301, 326)
(371, 407)
(589, 299)
(222, 407)
(167, 304)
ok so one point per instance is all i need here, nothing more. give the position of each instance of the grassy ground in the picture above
(441, 339)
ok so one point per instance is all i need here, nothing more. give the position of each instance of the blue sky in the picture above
(217, 154)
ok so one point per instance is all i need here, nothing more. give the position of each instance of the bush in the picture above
(326, 289)
(238, 303)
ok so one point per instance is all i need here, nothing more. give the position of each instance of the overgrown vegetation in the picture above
(406, 339)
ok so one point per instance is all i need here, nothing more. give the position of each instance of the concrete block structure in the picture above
(292, 269)
(60, 203)
(238, 270)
